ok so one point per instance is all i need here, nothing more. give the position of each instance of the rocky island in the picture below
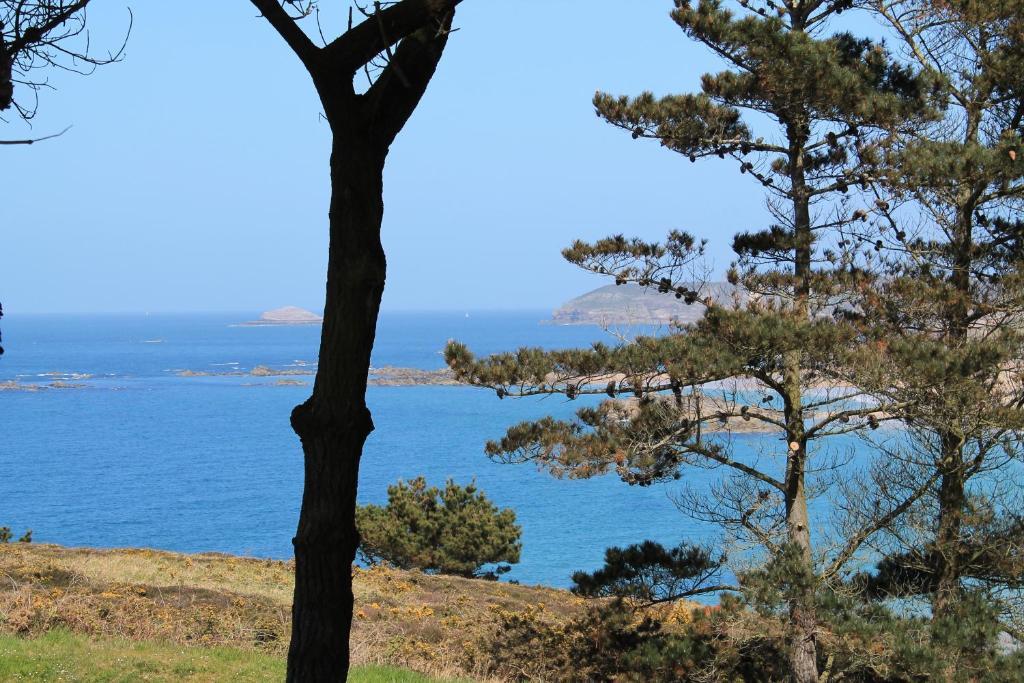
(631, 304)
(286, 315)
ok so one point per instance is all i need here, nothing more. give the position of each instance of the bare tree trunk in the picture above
(334, 423)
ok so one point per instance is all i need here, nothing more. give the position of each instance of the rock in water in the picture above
(291, 315)
(287, 315)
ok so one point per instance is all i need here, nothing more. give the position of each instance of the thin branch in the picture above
(858, 539)
(32, 141)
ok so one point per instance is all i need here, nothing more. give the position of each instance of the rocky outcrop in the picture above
(389, 376)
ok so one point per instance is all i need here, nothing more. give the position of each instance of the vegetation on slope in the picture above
(434, 624)
(65, 656)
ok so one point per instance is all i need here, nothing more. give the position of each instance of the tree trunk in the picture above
(952, 499)
(803, 618)
(952, 486)
(334, 423)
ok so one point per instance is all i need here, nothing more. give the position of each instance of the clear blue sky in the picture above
(195, 176)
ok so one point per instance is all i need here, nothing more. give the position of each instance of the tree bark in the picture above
(803, 618)
(952, 499)
(952, 486)
(334, 423)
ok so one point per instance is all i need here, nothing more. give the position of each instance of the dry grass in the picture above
(433, 624)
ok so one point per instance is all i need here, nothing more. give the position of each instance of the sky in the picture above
(195, 175)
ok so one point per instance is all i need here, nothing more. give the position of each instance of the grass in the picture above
(60, 655)
(231, 616)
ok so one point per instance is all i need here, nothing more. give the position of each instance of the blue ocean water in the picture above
(137, 455)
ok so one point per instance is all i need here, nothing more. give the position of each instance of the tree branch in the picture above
(858, 539)
(704, 590)
(32, 141)
(357, 46)
(397, 92)
(285, 25)
(715, 456)
(35, 34)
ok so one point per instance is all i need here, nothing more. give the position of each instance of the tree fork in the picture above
(334, 423)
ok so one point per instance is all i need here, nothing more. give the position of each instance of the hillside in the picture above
(432, 624)
(630, 304)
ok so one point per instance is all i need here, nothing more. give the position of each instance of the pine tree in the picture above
(648, 573)
(456, 530)
(948, 222)
(785, 346)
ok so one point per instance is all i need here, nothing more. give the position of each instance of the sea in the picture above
(116, 448)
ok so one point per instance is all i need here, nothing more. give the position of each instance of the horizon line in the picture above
(228, 311)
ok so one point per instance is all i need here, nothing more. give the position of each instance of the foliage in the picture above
(860, 641)
(436, 623)
(455, 530)
(608, 643)
(779, 582)
(948, 300)
(990, 557)
(781, 356)
(648, 573)
(871, 642)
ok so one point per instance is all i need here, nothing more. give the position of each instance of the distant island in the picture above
(631, 304)
(287, 315)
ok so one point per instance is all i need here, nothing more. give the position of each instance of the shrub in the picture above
(648, 573)
(5, 535)
(609, 643)
(457, 530)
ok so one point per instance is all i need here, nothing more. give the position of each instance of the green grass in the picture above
(387, 674)
(69, 658)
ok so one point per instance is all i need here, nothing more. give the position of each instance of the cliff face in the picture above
(632, 304)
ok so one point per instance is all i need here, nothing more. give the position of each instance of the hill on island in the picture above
(631, 304)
